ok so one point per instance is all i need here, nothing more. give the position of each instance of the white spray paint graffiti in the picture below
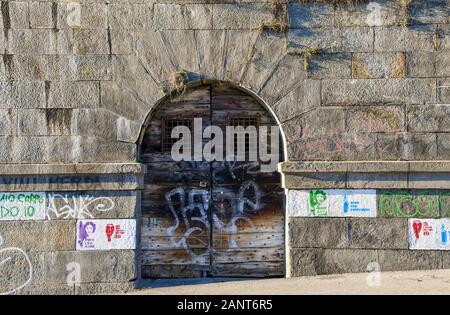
(196, 213)
(62, 206)
(12, 253)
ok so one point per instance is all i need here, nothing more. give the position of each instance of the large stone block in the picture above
(443, 91)
(443, 63)
(32, 41)
(299, 100)
(288, 72)
(356, 39)
(189, 16)
(18, 14)
(240, 16)
(98, 123)
(404, 39)
(84, 15)
(392, 260)
(373, 92)
(27, 149)
(41, 15)
(22, 94)
(210, 45)
(407, 146)
(330, 66)
(376, 119)
(377, 233)
(130, 16)
(429, 181)
(311, 262)
(432, 118)
(32, 122)
(84, 41)
(23, 67)
(302, 15)
(68, 94)
(79, 67)
(39, 235)
(318, 233)
(421, 64)
(267, 52)
(378, 65)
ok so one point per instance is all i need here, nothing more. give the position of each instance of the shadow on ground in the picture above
(164, 283)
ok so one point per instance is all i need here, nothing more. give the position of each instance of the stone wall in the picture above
(361, 83)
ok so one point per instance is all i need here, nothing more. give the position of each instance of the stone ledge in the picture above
(291, 167)
(72, 169)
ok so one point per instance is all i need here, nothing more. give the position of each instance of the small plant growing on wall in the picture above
(279, 11)
(307, 54)
(176, 83)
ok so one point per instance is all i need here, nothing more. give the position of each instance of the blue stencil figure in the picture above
(443, 235)
(346, 205)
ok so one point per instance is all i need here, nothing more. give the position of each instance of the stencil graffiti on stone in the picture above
(22, 206)
(429, 234)
(16, 270)
(332, 203)
(106, 234)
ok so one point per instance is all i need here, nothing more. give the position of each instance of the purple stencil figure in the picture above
(86, 232)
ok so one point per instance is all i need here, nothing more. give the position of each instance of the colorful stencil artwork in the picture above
(332, 203)
(106, 234)
(429, 234)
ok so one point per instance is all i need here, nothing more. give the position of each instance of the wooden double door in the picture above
(209, 218)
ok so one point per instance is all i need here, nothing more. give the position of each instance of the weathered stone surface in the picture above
(32, 122)
(443, 63)
(380, 13)
(443, 91)
(68, 94)
(376, 119)
(32, 41)
(130, 16)
(240, 16)
(377, 233)
(84, 41)
(318, 233)
(391, 260)
(104, 288)
(378, 65)
(18, 14)
(22, 94)
(311, 262)
(211, 45)
(84, 15)
(421, 64)
(289, 71)
(121, 41)
(23, 67)
(373, 92)
(404, 39)
(79, 67)
(94, 123)
(301, 99)
(28, 149)
(314, 180)
(39, 235)
(355, 39)
(190, 16)
(8, 124)
(330, 66)
(310, 15)
(41, 15)
(381, 181)
(267, 52)
(238, 50)
(431, 118)
(429, 12)
(407, 146)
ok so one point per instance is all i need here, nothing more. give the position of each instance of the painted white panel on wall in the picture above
(106, 234)
(429, 234)
(332, 203)
(22, 206)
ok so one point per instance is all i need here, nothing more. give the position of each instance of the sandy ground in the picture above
(409, 282)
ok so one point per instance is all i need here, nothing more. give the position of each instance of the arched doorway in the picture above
(217, 218)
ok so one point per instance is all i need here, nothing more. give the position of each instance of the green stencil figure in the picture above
(318, 205)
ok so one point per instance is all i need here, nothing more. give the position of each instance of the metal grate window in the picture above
(244, 122)
(167, 126)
